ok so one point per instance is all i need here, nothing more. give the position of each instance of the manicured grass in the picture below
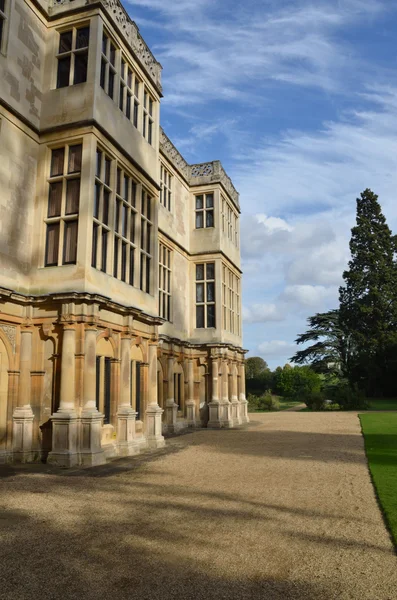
(380, 435)
(382, 404)
(284, 404)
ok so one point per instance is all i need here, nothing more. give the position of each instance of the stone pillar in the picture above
(215, 405)
(236, 416)
(154, 413)
(91, 419)
(243, 401)
(126, 416)
(171, 408)
(65, 421)
(23, 414)
(190, 402)
(226, 410)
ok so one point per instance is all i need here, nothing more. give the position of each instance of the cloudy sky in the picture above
(298, 99)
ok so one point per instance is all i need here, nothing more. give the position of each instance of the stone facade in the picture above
(120, 280)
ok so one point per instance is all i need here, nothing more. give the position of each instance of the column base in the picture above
(22, 437)
(171, 417)
(92, 453)
(236, 416)
(244, 411)
(191, 413)
(64, 451)
(226, 414)
(154, 437)
(126, 442)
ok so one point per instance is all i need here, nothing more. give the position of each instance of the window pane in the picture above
(131, 279)
(74, 159)
(72, 196)
(209, 220)
(123, 261)
(199, 202)
(129, 80)
(82, 37)
(128, 106)
(126, 184)
(52, 244)
(63, 72)
(150, 133)
(148, 238)
(116, 257)
(94, 245)
(132, 227)
(104, 249)
(98, 163)
(103, 73)
(199, 292)
(105, 212)
(108, 164)
(117, 216)
(97, 200)
(199, 316)
(118, 181)
(133, 193)
(147, 275)
(65, 42)
(124, 219)
(80, 67)
(121, 97)
(199, 272)
(57, 160)
(104, 43)
(111, 83)
(112, 55)
(209, 201)
(136, 88)
(199, 220)
(55, 199)
(135, 121)
(210, 292)
(210, 271)
(211, 315)
(70, 242)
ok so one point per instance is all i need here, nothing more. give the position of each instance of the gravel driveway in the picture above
(283, 509)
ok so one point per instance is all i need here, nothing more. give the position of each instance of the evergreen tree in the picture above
(368, 307)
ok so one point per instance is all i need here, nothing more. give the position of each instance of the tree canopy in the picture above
(254, 367)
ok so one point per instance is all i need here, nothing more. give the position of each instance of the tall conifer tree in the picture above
(368, 307)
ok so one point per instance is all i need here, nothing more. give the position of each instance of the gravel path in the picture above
(283, 509)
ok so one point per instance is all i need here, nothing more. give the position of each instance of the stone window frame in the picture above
(165, 281)
(130, 86)
(146, 242)
(72, 53)
(166, 184)
(125, 226)
(148, 116)
(205, 307)
(108, 70)
(231, 321)
(62, 220)
(204, 210)
(5, 7)
(101, 233)
(230, 221)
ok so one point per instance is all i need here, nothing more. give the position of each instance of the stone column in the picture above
(215, 405)
(226, 411)
(154, 413)
(23, 414)
(171, 408)
(126, 416)
(91, 419)
(65, 421)
(236, 416)
(190, 402)
(243, 401)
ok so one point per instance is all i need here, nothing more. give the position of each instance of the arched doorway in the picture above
(4, 366)
(104, 359)
(179, 388)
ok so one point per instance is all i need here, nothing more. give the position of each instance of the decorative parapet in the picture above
(199, 174)
(128, 28)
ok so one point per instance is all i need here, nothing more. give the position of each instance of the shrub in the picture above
(264, 402)
(348, 397)
(314, 400)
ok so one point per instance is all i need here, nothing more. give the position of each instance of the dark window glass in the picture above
(199, 316)
(136, 88)
(112, 55)
(72, 196)
(97, 199)
(1, 31)
(131, 281)
(82, 37)
(128, 106)
(63, 72)
(199, 220)
(144, 125)
(52, 244)
(210, 270)
(94, 245)
(211, 315)
(107, 382)
(103, 73)
(57, 160)
(147, 275)
(126, 183)
(55, 199)
(210, 292)
(115, 256)
(150, 133)
(106, 200)
(104, 249)
(132, 227)
(209, 201)
(65, 41)
(148, 238)
(149, 207)
(199, 202)
(124, 220)
(121, 97)
(117, 216)
(70, 242)
(98, 163)
(135, 121)
(108, 164)
(74, 165)
(199, 292)
(209, 218)
(104, 43)
(97, 380)
(199, 272)
(138, 389)
(111, 83)
(129, 80)
(80, 68)
(119, 181)
(141, 272)
(123, 261)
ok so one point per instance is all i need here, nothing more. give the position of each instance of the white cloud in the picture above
(276, 349)
(307, 296)
(262, 313)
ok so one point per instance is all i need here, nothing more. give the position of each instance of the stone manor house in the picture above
(120, 280)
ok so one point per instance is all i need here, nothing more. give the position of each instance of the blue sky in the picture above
(298, 99)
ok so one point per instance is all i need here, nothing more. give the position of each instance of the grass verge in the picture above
(380, 435)
(382, 404)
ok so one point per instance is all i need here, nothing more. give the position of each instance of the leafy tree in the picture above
(254, 367)
(296, 382)
(368, 299)
(331, 351)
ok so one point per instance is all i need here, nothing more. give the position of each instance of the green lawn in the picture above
(382, 404)
(284, 404)
(380, 435)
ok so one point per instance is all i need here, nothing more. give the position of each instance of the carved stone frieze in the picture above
(11, 333)
(202, 170)
(173, 155)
